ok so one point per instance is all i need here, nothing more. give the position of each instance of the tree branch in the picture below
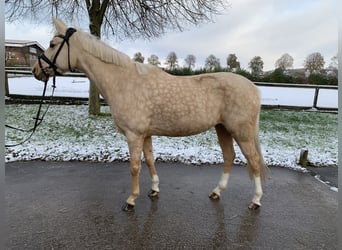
(122, 18)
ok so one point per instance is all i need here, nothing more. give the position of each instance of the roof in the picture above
(22, 43)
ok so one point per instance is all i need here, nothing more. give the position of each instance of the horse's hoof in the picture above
(128, 207)
(253, 206)
(154, 195)
(214, 196)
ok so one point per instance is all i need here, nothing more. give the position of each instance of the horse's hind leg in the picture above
(148, 154)
(226, 143)
(255, 163)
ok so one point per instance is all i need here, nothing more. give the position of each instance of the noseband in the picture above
(52, 65)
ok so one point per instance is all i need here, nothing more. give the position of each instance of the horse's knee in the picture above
(135, 170)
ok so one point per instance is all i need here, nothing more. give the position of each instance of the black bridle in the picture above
(52, 65)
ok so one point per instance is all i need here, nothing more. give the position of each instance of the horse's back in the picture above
(235, 93)
(192, 104)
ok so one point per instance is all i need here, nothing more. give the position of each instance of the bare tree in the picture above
(138, 57)
(314, 63)
(232, 62)
(172, 61)
(121, 19)
(256, 65)
(190, 61)
(154, 60)
(334, 62)
(212, 62)
(333, 67)
(284, 62)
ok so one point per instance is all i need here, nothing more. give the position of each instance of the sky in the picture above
(248, 28)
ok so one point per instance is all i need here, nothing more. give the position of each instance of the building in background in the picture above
(22, 53)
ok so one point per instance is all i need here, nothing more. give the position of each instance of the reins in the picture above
(38, 118)
(52, 65)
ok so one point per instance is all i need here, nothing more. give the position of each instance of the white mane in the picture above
(107, 54)
(102, 51)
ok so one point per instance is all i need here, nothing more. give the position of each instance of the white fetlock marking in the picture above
(222, 184)
(131, 200)
(155, 183)
(217, 191)
(258, 191)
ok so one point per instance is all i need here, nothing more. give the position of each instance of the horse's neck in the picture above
(100, 73)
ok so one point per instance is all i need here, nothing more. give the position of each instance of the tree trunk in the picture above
(94, 107)
(95, 18)
(94, 95)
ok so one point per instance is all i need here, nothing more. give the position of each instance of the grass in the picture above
(69, 133)
(292, 128)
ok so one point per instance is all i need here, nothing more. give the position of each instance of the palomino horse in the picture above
(144, 101)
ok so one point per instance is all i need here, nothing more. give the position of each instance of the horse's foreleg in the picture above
(135, 144)
(226, 143)
(148, 154)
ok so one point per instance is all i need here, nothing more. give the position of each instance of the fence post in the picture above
(303, 157)
(314, 105)
(6, 85)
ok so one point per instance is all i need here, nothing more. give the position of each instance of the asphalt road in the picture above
(329, 175)
(73, 205)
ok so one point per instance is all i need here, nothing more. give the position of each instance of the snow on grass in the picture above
(69, 133)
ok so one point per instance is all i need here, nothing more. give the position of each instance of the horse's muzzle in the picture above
(39, 74)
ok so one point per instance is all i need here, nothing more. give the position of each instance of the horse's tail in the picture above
(264, 170)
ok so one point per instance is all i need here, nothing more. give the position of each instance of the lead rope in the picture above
(38, 119)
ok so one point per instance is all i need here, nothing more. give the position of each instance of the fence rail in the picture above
(302, 86)
(15, 71)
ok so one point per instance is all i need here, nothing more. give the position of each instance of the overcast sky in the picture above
(249, 28)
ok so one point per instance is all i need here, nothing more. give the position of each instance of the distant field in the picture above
(68, 133)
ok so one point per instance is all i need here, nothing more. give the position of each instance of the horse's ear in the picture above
(60, 26)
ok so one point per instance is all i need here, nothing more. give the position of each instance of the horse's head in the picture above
(59, 57)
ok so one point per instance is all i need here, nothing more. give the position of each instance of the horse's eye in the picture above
(52, 45)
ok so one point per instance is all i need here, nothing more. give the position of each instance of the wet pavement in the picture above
(329, 174)
(73, 205)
